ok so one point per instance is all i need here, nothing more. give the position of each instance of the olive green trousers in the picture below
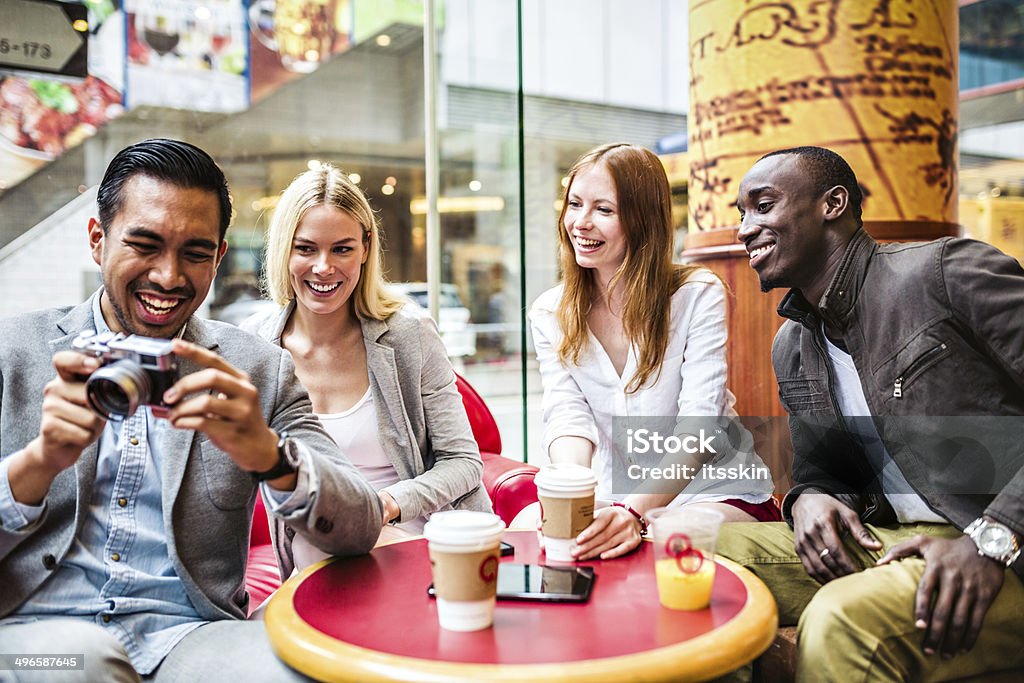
(861, 627)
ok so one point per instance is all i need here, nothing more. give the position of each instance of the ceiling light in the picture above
(383, 40)
(355, 177)
(313, 164)
(474, 204)
(475, 185)
(391, 180)
(264, 203)
(387, 189)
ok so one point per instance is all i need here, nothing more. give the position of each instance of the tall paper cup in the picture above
(566, 494)
(684, 555)
(464, 556)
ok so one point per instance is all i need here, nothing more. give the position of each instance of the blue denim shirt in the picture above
(118, 573)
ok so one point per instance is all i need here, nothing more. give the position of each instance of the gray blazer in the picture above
(422, 423)
(207, 500)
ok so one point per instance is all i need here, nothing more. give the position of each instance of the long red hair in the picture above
(647, 274)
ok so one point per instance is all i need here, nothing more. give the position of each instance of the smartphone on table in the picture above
(542, 583)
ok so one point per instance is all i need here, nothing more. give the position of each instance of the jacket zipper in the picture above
(897, 386)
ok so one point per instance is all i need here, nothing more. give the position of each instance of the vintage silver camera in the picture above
(136, 372)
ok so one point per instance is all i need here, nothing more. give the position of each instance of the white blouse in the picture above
(582, 400)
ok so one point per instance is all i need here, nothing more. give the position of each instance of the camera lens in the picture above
(118, 389)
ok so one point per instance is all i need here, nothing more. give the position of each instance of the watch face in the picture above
(291, 453)
(994, 540)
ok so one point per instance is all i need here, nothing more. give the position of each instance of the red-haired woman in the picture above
(628, 333)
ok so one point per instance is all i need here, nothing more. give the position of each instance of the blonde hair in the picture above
(328, 186)
(647, 274)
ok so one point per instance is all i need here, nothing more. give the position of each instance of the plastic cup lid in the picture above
(566, 478)
(463, 528)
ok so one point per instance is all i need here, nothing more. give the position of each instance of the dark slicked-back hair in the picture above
(171, 161)
(826, 170)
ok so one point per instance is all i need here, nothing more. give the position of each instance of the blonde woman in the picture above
(374, 365)
(629, 333)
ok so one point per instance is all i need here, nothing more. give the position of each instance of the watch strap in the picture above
(285, 463)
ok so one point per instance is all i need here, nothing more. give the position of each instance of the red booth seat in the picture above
(509, 483)
(261, 574)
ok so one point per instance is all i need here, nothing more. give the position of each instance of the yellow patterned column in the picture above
(874, 80)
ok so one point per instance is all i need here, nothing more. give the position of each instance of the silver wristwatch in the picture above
(994, 540)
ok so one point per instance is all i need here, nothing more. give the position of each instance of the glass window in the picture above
(271, 87)
(991, 43)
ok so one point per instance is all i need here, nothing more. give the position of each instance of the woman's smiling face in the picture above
(592, 222)
(328, 252)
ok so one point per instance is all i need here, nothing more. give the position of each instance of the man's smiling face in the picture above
(158, 256)
(782, 223)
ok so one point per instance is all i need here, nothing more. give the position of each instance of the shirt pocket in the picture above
(803, 396)
(228, 487)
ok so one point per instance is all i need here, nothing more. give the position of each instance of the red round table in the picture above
(369, 619)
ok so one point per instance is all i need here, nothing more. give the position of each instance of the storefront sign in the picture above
(187, 54)
(44, 37)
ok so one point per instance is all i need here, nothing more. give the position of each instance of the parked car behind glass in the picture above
(454, 324)
(456, 330)
(238, 311)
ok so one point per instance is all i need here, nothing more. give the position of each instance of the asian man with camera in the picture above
(125, 509)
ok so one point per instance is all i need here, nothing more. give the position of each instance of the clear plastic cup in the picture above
(684, 555)
(465, 552)
(566, 494)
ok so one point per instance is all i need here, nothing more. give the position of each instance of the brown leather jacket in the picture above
(936, 331)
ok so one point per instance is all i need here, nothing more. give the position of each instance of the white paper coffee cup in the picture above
(566, 494)
(464, 557)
